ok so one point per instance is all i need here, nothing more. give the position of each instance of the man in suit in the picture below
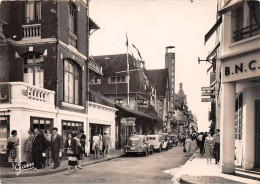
(38, 148)
(56, 142)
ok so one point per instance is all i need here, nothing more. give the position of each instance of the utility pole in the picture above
(128, 77)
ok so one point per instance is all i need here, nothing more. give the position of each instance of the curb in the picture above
(56, 171)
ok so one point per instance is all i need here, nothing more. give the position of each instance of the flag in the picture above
(126, 43)
(137, 51)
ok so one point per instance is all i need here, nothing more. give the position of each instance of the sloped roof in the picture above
(158, 77)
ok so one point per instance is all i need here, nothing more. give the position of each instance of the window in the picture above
(121, 79)
(161, 113)
(71, 82)
(4, 132)
(95, 81)
(33, 69)
(247, 20)
(41, 123)
(239, 117)
(119, 101)
(72, 17)
(32, 11)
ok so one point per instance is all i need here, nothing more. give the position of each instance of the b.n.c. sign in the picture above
(4, 93)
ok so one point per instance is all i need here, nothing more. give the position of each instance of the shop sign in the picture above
(241, 68)
(130, 121)
(207, 99)
(4, 93)
(207, 88)
(207, 94)
(123, 121)
(142, 103)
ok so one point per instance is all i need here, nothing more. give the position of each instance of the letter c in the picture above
(250, 65)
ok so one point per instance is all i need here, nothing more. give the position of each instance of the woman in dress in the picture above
(95, 145)
(69, 148)
(78, 149)
(208, 147)
(83, 143)
(188, 142)
(100, 144)
(47, 135)
(12, 146)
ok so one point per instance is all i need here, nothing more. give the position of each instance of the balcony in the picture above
(93, 66)
(20, 94)
(73, 39)
(31, 31)
(246, 32)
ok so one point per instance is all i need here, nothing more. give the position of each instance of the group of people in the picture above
(210, 145)
(42, 146)
(101, 144)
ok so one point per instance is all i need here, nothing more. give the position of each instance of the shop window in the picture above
(70, 126)
(33, 69)
(41, 123)
(247, 20)
(239, 117)
(4, 133)
(32, 11)
(71, 82)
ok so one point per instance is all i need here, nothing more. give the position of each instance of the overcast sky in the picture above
(151, 25)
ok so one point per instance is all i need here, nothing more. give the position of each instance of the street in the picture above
(125, 170)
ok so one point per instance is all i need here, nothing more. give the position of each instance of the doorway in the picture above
(257, 133)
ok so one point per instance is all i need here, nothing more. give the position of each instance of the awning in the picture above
(93, 25)
(213, 29)
(133, 112)
(231, 5)
(213, 51)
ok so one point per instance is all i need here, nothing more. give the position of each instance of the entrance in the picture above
(4, 134)
(257, 133)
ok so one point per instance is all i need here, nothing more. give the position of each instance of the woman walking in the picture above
(208, 147)
(100, 144)
(78, 149)
(12, 147)
(95, 145)
(188, 142)
(47, 135)
(83, 143)
(69, 148)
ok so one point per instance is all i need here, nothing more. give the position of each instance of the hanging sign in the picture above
(207, 99)
(130, 121)
(142, 103)
(123, 121)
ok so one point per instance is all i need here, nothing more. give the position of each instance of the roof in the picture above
(159, 78)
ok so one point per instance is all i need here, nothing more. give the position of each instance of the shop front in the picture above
(240, 105)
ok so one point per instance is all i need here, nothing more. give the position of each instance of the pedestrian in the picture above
(217, 146)
(107, 143)
(47, 136)
(100, 144)
(12, 148)
(56, 143)
(205, 134)
(208, 147)
(188, 142)
(38, 149)
(28, 147)
(83, 144)
(95, 145)
(199, 142)
(77, 150)
(70, 149)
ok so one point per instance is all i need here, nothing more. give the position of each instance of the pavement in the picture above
(197, 171)
(6, 172)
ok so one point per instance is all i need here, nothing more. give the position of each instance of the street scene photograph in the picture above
(129, 92)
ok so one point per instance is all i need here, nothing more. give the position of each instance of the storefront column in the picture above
(227, 129)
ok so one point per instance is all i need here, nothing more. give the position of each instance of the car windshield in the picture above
(134, 141)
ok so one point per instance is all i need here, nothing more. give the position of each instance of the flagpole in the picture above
(128, 76)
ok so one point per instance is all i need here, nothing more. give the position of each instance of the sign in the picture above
(4, 93)
(207, 94)
(241, 67)
(130, 121)
(123, 121)
(207, 88)
(142, 103)
(207, 99)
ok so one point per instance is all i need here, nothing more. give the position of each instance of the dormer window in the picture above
(32, 11)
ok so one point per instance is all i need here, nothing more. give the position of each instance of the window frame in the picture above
(36, 13)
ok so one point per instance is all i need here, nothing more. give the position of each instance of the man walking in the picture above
(38, 148)
(217, 145)
(55, 147)
(200, 144)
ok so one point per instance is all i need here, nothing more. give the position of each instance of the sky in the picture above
(151, 25)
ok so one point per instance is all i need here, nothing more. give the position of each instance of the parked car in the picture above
(158, 142)
(166, 139)
(138, 144)
(173, 140)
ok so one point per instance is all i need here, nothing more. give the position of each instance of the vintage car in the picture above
(173, 140)
(138, 144)
(158, 142)
(166, 139)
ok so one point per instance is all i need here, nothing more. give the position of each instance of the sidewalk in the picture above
(5, 172)
(197, 171)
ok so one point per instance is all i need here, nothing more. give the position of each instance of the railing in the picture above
(22, 93)
(95, 67)
(246, 32)
(33, 30)
(73, 39)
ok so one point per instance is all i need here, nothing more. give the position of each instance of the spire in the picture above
(181, 92)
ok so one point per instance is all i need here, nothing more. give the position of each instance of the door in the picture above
(4, 134)
(257, 133)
